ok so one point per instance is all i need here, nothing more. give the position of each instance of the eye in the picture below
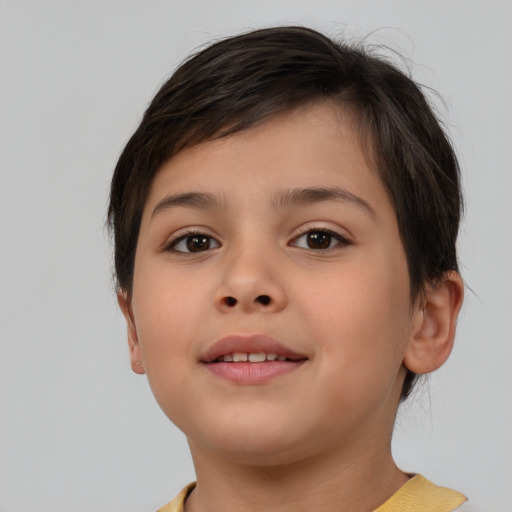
(193, 243)
(319, 239)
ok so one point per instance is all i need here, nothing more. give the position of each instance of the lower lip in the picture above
(253, 373)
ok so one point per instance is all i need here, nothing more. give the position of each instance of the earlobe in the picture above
(434, 325)
(133, 339)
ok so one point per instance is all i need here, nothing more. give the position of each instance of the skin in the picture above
(318, 437)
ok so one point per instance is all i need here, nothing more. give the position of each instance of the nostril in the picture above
(230, 301)
(263, 299)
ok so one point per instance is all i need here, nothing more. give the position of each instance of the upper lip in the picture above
(248, 344)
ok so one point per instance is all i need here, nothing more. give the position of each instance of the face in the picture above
(271, 300)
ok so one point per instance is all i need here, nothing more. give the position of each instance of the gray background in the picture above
(79, 431)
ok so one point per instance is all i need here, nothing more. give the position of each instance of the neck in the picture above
(333, 481)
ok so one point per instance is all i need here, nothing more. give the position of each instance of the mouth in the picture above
(251, 359)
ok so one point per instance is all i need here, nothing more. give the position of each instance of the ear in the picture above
(434, 325)
(133, 339)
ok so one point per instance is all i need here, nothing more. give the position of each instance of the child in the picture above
(285, 220)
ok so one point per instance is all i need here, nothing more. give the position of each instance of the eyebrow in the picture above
(282, 199)
(200, 200)
(307, 196)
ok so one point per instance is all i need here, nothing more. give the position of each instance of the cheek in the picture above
(362, 318)
(165, 325)
(169, 314)
(361, 345)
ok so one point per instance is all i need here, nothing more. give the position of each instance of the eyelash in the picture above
(341, 240)
(171, 246)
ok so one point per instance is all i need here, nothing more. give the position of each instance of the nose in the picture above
(251, 283)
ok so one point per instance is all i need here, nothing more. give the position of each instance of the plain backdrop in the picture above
(79, 431)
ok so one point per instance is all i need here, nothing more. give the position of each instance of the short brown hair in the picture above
(244, 80)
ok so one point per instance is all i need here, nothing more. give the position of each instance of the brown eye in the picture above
(194, 243)
(320, 240)
(198, 243)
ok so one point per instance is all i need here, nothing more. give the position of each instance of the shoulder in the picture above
(176, 505)
(421, 494)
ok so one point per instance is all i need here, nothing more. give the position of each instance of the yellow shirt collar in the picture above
(416, 494)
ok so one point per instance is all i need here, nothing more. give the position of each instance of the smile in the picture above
(252, 359)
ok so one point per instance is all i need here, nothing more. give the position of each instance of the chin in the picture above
(265, 444)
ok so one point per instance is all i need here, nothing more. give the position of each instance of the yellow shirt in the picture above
(416, 495)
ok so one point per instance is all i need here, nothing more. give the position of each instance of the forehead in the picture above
(315, 145)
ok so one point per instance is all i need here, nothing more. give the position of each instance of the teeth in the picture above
(257, 358)
(254, 357)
